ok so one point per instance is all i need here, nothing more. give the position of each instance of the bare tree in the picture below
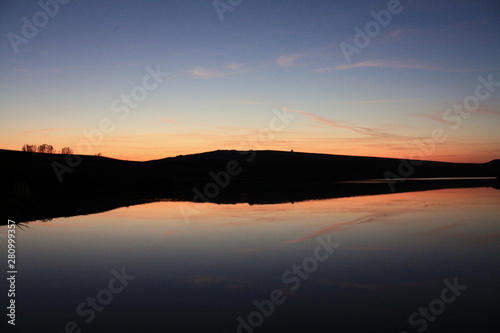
(30, 148)
(46, 149)
(66, 151)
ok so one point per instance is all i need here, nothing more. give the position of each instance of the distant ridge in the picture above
(30, 186)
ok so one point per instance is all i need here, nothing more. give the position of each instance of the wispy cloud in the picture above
(206, 73)
(342, 124)
(234, 66)
(375, 101)
(394, 64)
(438, 115)
(202, 72)
(384, 64)
(309, 57)
(430, 116)
(290, 60)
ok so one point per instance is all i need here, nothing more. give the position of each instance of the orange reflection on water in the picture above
(464, 215)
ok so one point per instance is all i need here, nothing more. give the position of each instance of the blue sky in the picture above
(226, 76)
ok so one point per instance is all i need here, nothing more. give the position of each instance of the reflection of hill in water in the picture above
(31, 190)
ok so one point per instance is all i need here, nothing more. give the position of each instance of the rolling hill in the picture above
(36, 186)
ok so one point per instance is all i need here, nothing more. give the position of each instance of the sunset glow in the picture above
(171, 78)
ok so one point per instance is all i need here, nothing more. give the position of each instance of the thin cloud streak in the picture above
(372, 101)
(290, 60)
(438, 116)
(201, 72)
(206, 73)
(431, 117)
(394, 64)
(340, 124)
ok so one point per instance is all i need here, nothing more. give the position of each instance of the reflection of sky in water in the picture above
(395, 252)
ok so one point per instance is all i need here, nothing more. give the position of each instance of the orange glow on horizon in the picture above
(454, 156)
(145, 151)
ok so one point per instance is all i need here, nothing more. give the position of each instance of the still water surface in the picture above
(395, 252)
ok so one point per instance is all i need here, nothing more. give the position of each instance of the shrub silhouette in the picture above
(66, 151)
(46, 149)
(30, 148)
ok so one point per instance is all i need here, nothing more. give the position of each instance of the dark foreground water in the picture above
(409, 262)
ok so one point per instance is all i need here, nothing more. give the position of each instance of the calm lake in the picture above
(408, 262)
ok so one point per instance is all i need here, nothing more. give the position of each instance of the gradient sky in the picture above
(227, 76)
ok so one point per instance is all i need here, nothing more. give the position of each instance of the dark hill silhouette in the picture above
(31, 189)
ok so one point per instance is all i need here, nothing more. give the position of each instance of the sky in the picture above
(149, 79)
